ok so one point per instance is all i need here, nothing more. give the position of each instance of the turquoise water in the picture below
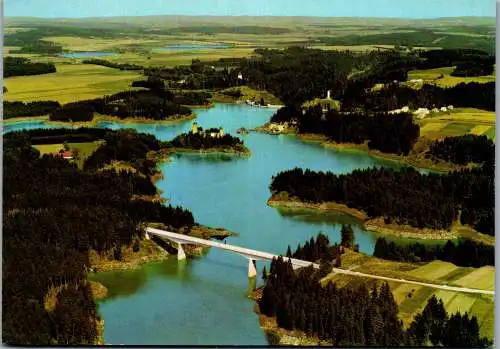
(204, 300)
(191, 47)
(89, 54)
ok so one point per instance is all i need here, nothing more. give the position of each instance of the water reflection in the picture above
(121, 283)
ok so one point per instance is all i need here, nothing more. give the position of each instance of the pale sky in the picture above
(326, 8)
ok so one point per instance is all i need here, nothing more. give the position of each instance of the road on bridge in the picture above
(297, 263)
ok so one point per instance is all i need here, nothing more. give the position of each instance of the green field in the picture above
(71, 82)
(85, 150)
(413, 298)
(459, 122)
(433, 76)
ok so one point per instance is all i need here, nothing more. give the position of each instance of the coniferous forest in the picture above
(387, 133)
(20, 66)
(464, 253)
(53, 215)
(358, 317)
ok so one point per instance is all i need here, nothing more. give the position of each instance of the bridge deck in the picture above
(254, 254)
(259, 255)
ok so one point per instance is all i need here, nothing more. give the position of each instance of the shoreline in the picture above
(280, 336)
(224, 151)
(98, 118)
(375, 225)
(413, 161)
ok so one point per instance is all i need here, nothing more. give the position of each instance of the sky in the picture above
(326, 8)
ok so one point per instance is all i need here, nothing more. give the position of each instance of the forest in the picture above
(464, 149)
(192, 98)
(20, 66)
(418, 37)
(203, 139)
(109, 64)
(155, 103)
(128, 146)
(357, 317)
(464, 253)
(53, 216)
(387, 133)
(393, 96)
(18, 109)
(403, 197)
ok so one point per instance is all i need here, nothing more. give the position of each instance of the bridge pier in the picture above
(252, 268)
(147, 236)
(180, 252)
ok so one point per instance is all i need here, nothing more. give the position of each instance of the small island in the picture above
(212, 140)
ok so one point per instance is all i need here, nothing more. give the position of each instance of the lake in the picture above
(191, 47)
(204, 300)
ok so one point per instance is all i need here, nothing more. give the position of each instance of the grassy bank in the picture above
(247, 93)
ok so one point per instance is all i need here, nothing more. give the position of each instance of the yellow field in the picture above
(413, 298)
(48, 148)
(459, 122)
(483, 277)
(480, 129)
(433, 270)
(71, 82)
(432, 76)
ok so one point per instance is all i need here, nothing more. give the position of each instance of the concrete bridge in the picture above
(251, 255)
(254, 255)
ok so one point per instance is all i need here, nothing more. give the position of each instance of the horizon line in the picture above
(263, 16)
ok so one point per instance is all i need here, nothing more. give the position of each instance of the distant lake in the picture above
(191, 47)
(84, 54)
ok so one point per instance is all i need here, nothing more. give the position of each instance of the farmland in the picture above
(70, 83)
(459, 122)
(442, 77)
(413, 298)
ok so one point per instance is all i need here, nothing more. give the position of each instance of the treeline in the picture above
(294, 75)
(128, 146)
(149, 104)
(17, 109)
(206, 139)
(53, 216)
(394, 96)
(464, 253)
(402, 197)
(318, 250)
(387, 133)
(193, 98)
(216, 29)
(57, 135)
(357, 317)
(419, 37)
(109, 64)
(469, 69)
(20, 66)
(464, 149)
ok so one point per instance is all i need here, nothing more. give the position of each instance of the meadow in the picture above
(85, 150)
(433, 76)
(413, 298)
(71, 82)
(458, 122)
